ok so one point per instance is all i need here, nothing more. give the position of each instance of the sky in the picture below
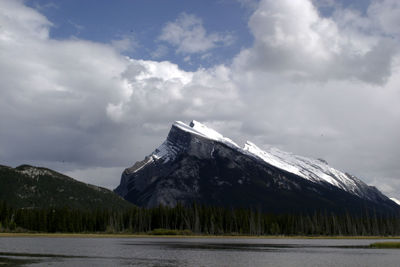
(90, 87)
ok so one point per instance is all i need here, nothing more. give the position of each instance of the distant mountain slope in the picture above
(196, 163)
(34, 187)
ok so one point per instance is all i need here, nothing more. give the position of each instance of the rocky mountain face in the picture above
(197, 164)
(33, 187)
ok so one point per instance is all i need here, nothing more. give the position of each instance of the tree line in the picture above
(196, 219)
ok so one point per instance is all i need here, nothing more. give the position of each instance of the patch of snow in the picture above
(311, 169)
(395, 200)
(166, 151)
(161, 151)
(212, 152)
(269, 158)
(166, 159)
(200, 129)
(33, 172)
(150, 159)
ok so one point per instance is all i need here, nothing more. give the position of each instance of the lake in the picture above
(74, 251)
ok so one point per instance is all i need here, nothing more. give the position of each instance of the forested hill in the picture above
(39, 199)
(34, 187)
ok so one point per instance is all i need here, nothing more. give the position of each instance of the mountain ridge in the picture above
(37, 187)
(179, 170)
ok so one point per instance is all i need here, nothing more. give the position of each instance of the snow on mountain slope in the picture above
(168, 150)
(311, 169)
(196, 163)
(202, 130)
(395, 200)
(314, 170)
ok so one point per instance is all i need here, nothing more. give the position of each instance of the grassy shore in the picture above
(146, 235)
(385, 245)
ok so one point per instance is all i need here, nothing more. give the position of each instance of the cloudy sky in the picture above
(90, 87)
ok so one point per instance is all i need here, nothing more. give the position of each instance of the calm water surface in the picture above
(41, 251)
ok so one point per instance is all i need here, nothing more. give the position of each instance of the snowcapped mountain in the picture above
(196, 163)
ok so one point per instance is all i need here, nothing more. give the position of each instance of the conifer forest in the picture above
(195, 219)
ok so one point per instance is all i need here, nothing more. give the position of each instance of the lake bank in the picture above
(124, 235)
(385, 245)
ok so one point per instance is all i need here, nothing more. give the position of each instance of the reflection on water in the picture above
(10, 261)
(243, 246)
(37, 259)
(40, 251)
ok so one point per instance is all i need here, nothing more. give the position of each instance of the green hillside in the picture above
(34, 187)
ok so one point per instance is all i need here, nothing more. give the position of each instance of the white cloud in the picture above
(322, 87)
(54, 93)
(125, 44)
(292, 38)
(18, 19)
(386, 14)
(83, 102)
(161, 91)
(324, 3)
(160, 52)
(188, 35)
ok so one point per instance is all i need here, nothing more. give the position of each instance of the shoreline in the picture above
(124, 235)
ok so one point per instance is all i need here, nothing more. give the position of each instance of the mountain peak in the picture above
(314, 170)
(196, 163)
(202, 130)
(194, 122)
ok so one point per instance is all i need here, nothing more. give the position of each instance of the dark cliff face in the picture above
(189, 168)
(170, 179)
